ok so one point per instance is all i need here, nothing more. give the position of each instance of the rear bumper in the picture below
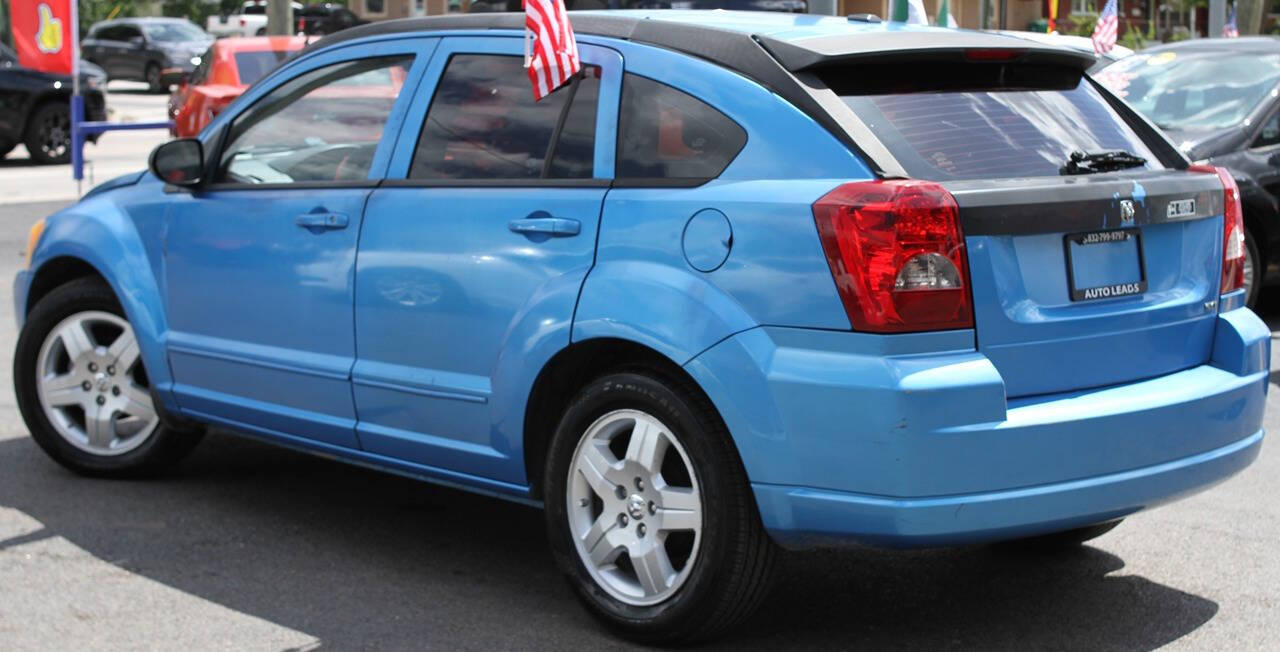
(801, 517)
(902, 442)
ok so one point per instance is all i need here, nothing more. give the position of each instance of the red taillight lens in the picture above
(897, 255)
(1232, 229)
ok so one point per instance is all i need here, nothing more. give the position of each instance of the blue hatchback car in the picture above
(748, 281)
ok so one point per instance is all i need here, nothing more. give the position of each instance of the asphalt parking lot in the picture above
(249, 547)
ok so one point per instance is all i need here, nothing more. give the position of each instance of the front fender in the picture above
(99, 233)
(673, 311)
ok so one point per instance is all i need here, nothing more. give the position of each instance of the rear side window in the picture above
(1012, 125)
(664, 133)
(252, 66)
(484, 124)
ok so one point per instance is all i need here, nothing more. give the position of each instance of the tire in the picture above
(151, 75)
(132, 439)
(697, 512)
(262, 31)
(1254, 270)
(6, 147)
(48, 137)
(1066, 538)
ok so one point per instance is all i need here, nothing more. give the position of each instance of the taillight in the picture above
(1232, 229)
(897, 255)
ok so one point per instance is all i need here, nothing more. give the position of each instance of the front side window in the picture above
(174, 32)
(664, 133)
(1270, 134)
(323, 125)
(484, 124)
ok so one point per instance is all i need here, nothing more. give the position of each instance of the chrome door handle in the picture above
(553, 226)
(320, 221)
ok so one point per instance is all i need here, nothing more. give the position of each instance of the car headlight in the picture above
(195, 61)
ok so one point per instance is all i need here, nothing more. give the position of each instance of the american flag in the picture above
(550, 51)
(1230, 30)
(1104, 34)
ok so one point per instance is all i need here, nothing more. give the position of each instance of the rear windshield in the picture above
(944, 127)
(253, 66)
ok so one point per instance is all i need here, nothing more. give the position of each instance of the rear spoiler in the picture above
(894, 46)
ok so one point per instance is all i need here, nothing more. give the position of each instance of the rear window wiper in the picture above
(1089, 163)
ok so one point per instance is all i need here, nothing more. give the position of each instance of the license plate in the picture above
(1105, 264)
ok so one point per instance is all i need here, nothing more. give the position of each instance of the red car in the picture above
(229, 67)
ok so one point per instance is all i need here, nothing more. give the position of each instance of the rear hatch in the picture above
(1082, 275)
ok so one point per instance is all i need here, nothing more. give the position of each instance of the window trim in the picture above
(420, 49)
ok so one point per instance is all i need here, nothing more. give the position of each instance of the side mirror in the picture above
(179, 162)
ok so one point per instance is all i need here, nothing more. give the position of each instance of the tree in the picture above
(92, 11)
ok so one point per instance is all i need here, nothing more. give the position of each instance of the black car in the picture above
(145, 49)
(35, 107)
(324, 18)
(1218, 100)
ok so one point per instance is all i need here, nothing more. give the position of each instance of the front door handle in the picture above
(559, 227)
(321, 221)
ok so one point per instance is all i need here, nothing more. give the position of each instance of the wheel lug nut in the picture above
(653, 508)
(640, 529)
(111, 371)
(115, 391)
(639, 484)
(86, 386)
(93, 367)
(622, 520)
(620, 492)
(583, 502)
(101, 399)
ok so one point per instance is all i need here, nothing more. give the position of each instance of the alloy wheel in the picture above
(92, 386)
(55, 134)
(634, 508)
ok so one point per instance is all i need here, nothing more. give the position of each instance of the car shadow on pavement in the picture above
(361, 559)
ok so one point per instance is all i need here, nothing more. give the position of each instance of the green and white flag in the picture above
(908, 11)
(945, 19)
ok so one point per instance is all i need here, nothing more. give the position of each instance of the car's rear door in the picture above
(476, 244)
(260, 263)
(1078, 280)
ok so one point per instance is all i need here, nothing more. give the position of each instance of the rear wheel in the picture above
(1066, 538)
(83, 390)
(649, 512)
(48, 137)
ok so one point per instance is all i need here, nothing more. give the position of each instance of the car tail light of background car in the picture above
(1232, 229)
(897, 255)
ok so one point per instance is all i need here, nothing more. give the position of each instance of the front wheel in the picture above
(649, 512)
(151, 75)
(48, 137)
(83, 390)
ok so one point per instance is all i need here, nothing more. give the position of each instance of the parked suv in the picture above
(145, 49)
(35, 107)
(747, 281)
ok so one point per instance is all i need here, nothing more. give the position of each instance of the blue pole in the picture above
(77, 138)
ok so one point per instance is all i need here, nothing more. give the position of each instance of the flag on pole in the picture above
(1108, 27)
(908, 11)
(1053, 16)
(945, 19)
(42, 34)
(1230, 29)
(550, 50)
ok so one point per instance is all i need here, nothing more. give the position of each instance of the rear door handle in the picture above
(561, 227)
(321, 221)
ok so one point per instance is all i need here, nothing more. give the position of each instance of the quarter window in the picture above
(664, 133)
(484, 124)
(324, 125)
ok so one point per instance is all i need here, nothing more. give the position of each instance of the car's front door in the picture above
(260, 262)
(478, 241)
